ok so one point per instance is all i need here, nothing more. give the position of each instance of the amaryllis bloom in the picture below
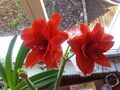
(90, 46)
(44, 39)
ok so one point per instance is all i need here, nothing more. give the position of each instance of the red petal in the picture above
(52, 29)
(97, 33)
(53, 24)
(89, 65)
(104, 46)
(77, 42)
(27, 37)
(102, 60)
(80, 63)
(85, 65)
(56, 18)
(47, 59)
(40, 30)
(59, 38)
(84, 29)
(108, 37)
(58, 53)
(52, 56)
(32, 58)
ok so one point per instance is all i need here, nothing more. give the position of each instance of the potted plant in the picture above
(42, 43)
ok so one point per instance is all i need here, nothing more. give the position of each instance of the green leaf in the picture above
(39, 80)
(51, 86)
(40, 83)
(23, 51)
(8, 63)
(2, 73)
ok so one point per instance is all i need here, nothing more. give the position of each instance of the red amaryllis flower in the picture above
(90, 46)
(45, 40)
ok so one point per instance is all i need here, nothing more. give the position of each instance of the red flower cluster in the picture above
(90, 46)
(45, 41)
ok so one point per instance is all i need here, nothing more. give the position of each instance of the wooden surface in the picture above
(34, 9)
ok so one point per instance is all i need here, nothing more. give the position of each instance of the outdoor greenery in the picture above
(13, 22)
(12, 18)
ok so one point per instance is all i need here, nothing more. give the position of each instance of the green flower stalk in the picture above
(61, 70)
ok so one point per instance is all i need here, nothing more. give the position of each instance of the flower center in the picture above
(42, 46)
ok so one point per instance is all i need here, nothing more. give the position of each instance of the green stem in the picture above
(71, 56)
(59, 76)
(66, 52)
(30, 84)
(61, 70)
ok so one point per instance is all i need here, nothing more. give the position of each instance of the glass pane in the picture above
(12, 18)
(71, 10)
(75, 11)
